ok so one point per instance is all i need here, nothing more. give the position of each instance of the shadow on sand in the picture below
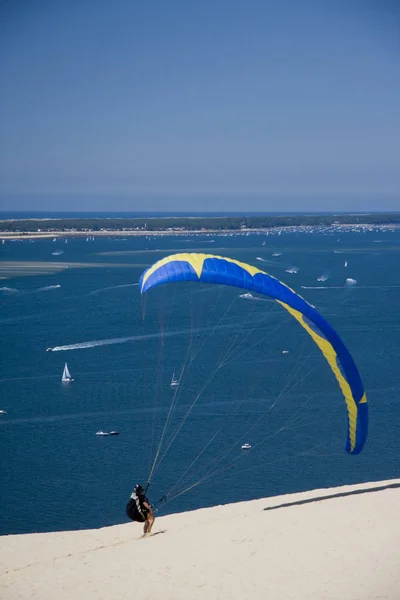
(146, 536)
(376, 488)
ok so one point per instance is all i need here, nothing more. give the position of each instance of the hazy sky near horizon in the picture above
(180, 105)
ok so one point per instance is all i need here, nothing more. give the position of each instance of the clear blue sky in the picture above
(184, 105)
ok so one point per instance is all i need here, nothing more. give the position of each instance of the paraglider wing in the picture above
(208, 268)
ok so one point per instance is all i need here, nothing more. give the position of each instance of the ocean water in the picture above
(236, 384)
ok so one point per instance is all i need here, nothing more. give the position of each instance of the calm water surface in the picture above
(236, 384)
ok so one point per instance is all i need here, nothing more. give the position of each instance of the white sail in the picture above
(66, 376)
(174, 381)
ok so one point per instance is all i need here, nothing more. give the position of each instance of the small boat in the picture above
(101, 432)
(345, 263)
(66, 376)
(3, 412)
(285, 351)
(114, 433)
(174, 381)
(246, 446)
(247, 295)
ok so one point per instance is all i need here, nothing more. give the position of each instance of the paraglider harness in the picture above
(135, 508)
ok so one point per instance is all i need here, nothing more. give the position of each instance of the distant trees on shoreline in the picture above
(182, 224)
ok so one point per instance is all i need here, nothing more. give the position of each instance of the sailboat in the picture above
(174, 381)
(66, 376)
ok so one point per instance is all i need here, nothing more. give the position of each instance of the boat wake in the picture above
(46, 288)
(9, 290)
(113, 287)
(134, 338)
(343, 287)
(322, 287)
(268, 262)
(249, 296)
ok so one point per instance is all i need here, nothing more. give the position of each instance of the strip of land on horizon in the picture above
(155, 226)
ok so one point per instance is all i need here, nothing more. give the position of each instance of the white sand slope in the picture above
(335, 544)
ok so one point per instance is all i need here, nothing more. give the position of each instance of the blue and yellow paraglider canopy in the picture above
(208, 268)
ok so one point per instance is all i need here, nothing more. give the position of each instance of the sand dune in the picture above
(335, 544)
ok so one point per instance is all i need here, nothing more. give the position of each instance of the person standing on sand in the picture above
(139, 509)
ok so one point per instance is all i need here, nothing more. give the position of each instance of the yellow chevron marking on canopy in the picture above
(196, 259)
(330, 355)
(363, 399)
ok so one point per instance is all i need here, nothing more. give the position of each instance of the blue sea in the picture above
(247, 374)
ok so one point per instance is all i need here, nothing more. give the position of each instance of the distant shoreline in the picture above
(183, 226)
(15, 235)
